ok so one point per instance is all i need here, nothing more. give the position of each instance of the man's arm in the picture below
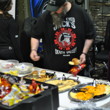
(87, 45)
(34, 46)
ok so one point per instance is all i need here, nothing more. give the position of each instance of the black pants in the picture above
(7, 52)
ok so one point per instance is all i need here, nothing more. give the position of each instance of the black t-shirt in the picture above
(63, 44)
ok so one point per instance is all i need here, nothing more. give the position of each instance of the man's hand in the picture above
(82, 58)
(34, 56)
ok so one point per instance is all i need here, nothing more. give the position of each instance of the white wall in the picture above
(13, 10)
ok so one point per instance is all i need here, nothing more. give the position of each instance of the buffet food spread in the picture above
(63, 85)
(20, 82)
(41, 75)
(12, 91)
(88, 91)
(18, 92)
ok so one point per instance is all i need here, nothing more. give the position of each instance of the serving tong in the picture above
(50, 75)
(65, 78)
(80, 89)
(94, 83)
(84, 89)
(62, 78)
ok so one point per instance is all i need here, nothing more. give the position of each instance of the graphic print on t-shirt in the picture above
(65, 38)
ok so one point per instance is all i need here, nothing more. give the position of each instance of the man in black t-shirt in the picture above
(66, 31)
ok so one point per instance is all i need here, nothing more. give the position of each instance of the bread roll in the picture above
(76, 61)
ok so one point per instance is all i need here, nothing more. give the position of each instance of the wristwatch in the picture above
(33, 49)
(84, 53)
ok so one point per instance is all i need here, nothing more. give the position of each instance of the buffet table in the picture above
(66, 103)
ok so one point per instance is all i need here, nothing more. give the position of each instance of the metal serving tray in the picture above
(102, 97)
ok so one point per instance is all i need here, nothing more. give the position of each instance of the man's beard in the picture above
(58, 18)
